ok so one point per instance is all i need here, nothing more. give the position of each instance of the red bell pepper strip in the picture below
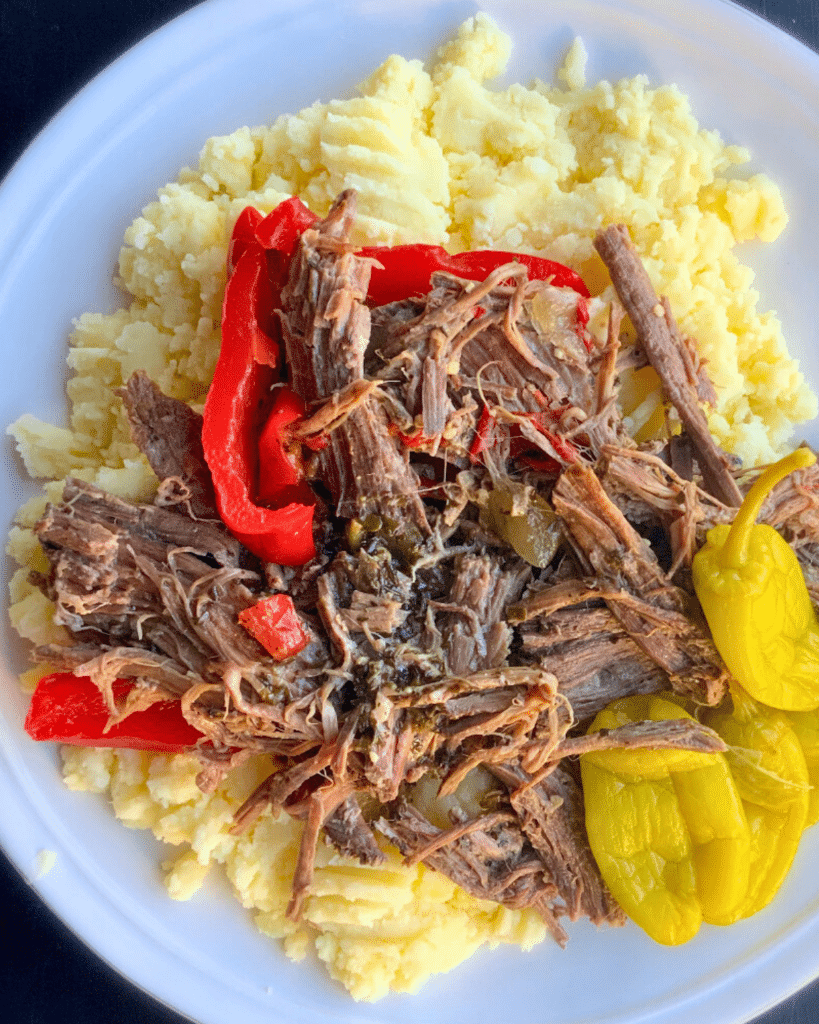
(281, 474)
(406, 269)
(236, 404)
(280, 230)
(243, 236)
(275, 623)
(70, 709)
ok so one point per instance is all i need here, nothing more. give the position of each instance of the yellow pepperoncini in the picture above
(806, 726)
(666, 828)
(769, 768)
(753, 594)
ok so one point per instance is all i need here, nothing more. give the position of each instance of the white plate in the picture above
(63, 210)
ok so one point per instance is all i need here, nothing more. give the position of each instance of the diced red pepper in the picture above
(416, 440)
(70, 709)
(275, 623)
(582, 311)
(564, 449)
(521, 449)
(547, 410)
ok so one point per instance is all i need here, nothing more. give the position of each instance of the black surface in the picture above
(48, 50)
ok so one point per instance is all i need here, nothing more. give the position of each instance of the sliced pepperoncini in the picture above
(753, 594)
(769, 768)
(666, 828)
(806, 726)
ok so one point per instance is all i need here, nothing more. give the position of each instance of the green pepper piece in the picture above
(753, 594)
(534, 534)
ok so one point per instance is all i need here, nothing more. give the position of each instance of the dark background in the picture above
(48, 50)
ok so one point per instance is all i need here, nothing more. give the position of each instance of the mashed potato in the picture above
(377, 928)
(437, 156)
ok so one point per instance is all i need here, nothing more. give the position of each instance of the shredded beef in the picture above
(348, 831)
(434, 648)
(492, 860)
(326, 329)
(553, 819)
(671, 357)
(657, 615)
(592, 656)
(169, 433)
(478, 636)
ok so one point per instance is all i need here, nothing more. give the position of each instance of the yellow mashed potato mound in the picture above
(376, 928)
(437, 156)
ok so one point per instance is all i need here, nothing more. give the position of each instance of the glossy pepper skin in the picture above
(753, 594)
(237, 402)
(70, 709)
(666, 827)
(281, 472)
(806, 726)
(405, 270)
(769, 768)
(262, 496)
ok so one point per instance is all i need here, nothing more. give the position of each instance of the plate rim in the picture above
(16, 183)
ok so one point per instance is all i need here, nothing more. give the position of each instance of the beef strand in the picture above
(169, 433)
(659, 336)
(657, 615)
(433, 647)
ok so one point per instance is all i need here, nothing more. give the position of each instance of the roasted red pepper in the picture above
(262, 497)
(281, 474)
(406, 269)
(523, 451)
(70, 709)
(238, 400)
(243, 236)
(482, 439)
(275, 623)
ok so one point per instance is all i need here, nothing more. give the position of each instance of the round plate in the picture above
(63, 210)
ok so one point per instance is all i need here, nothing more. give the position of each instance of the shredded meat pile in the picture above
(451, 419)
